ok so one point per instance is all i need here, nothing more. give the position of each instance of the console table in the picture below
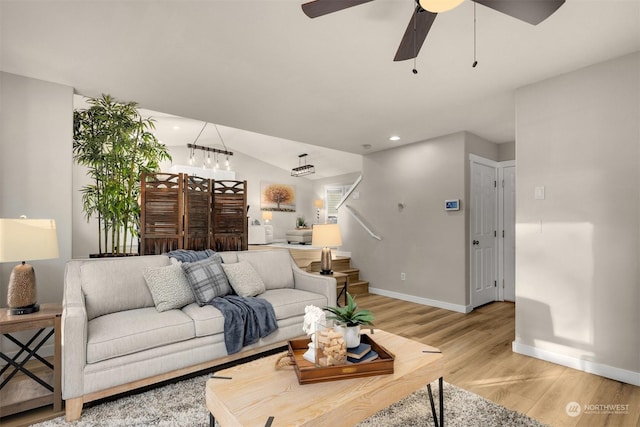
(23, 387)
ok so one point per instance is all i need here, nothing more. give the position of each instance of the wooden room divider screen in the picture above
(180, 211)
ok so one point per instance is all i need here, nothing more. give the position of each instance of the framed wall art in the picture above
(277, 197)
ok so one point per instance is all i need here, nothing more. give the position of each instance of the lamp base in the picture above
(325, 261)
(16, 311)
(22, 291)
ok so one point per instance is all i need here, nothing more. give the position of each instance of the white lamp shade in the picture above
(437, 6)
(318, 203)
(27, 239)
(267, 215)
(326, 235)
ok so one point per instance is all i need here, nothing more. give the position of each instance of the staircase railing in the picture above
(348, 193)
(360, 221)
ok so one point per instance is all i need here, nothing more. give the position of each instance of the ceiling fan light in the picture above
(438, 6)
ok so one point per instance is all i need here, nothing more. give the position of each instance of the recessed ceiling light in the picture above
(176, 127)
(394, 138)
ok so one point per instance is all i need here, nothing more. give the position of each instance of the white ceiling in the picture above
(264, 67)
(279, 152)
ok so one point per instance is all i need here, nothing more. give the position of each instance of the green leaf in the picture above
(349, 314)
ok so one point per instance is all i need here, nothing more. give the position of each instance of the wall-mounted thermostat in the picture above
(452, 205)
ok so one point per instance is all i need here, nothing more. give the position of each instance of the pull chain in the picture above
(475, 62)
(415, 30)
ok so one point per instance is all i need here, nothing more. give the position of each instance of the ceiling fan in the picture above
(531, 11)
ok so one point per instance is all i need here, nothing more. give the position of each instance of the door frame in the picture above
(500, 247)
(501, 227)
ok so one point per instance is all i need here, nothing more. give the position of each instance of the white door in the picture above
(509, 230)
(483, 233)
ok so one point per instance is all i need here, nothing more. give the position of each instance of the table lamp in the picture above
(25, 239)
(267, 216)
(326, 235)
(319, 204)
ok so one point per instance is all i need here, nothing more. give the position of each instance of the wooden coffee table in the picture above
(257, 394)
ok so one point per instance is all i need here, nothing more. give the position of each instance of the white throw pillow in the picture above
(244, 280)
(169, 287)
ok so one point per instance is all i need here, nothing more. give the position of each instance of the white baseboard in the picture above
(629, 377)
(424, 301)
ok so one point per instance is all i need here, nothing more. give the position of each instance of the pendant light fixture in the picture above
(209, 150)
(303, 169)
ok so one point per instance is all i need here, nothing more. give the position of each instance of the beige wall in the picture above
(35, 175)
(35, 168)
(422, 240)
(506, 151)
(578, 250)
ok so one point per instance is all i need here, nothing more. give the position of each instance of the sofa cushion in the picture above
(274, 267)
(291, 302)
(228, 256)
(115, 285)
(130, 331)
(169, 287)
(243, 279)
(207, 279)
(207, 319)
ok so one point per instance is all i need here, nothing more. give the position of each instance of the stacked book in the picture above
(361, 353)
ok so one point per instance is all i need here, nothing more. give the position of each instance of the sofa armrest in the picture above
(324, 285)
(74, 333)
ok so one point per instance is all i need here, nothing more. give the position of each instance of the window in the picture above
(332, 196)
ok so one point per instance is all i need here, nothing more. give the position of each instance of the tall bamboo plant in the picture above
(116, 145)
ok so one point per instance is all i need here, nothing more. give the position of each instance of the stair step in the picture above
(359, 287)
(353, 273)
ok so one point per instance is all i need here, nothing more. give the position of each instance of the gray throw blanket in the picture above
(246, 320)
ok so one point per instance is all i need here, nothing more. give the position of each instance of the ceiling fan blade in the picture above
(316, 8)
(531, 11)
(415, 34)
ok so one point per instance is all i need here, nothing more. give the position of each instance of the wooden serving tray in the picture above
(308, 373)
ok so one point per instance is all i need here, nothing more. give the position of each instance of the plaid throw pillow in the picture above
(186, 255)
(207, 279)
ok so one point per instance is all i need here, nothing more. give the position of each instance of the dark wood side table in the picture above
(342, 279)
(21, 387)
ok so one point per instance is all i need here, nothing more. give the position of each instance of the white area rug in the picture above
(182, 404)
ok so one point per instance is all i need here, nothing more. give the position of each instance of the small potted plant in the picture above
(300, 222)
(348, 320)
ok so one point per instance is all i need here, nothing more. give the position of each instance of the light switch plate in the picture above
(539, 193)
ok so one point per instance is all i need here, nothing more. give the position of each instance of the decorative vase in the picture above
(351, 334)
(331, 349)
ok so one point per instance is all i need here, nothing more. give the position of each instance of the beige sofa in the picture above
(115, 340)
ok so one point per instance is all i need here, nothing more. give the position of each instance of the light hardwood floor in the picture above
(477, 347)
